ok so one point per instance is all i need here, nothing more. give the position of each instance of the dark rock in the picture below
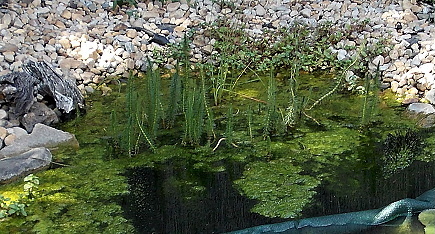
(64, 91)
(156, 38)
(39, 113)
(34, 159)
(39, 77)
(42, 136)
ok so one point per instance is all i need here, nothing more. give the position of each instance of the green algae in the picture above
(279, 186)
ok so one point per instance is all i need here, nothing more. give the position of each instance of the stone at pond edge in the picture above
(42, 136)
(423, 113)
(39, 113)
(430, 96)
(23, 164)
(422, 108)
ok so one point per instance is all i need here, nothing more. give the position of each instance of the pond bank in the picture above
(88, 41)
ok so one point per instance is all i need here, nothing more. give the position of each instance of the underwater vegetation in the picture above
(279, 185)
(400, 149)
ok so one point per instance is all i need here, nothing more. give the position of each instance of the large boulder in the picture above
(24, 164)
(41, 136)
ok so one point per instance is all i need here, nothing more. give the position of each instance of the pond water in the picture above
(351, 152)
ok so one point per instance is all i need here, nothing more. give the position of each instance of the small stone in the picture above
(341, 54)
(89, 89)
(65, 43)
(3, 114)
(179, 28)
(427, 67)
(413, 91)
(50, 49)
(6, 19)
(8, 47)
(430, 96)
(39, 47)
(69, 63)
(306, 13)
(184, 7)
(378, 60)
(131, 33)
(394, 86)
(60, 24)
(122, 38)
(66, 14)
(394, 54)
(9, 56)
(3, 133)
(208, 49)
(173, 6)
(259, 10)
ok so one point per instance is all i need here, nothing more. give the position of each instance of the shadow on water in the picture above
(162, 200)
(375, 192)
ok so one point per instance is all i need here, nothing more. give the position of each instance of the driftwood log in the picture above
(39, 78)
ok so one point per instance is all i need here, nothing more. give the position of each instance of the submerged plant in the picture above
(370, 92)
(280, 188)
(229, 131)
(272, 121)
(399, 150)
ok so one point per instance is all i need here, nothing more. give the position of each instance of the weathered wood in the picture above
(39, 77)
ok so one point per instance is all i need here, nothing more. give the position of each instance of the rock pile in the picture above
(89, 41)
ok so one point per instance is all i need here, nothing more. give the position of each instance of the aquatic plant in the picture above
(272, 122)
(370, 93)
(194, 112)
(144, 112)
(175, 95)
(400, 149)
(281, 188)
(130, 132)
(229, 130)
(294, 110)
(219, 83)
(151, 101)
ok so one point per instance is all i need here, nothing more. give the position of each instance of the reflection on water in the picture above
(163, 201)
(171, 199)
